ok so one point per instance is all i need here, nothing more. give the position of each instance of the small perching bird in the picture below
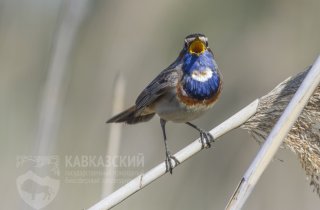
(180, 93)
(304, 137)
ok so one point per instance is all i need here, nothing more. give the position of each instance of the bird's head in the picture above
(196, 44)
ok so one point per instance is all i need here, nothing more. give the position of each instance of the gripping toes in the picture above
(206, 138)
(169, 165)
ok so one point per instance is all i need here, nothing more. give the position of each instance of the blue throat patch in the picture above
(198, 89)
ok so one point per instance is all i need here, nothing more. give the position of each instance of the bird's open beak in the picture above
(197, 47)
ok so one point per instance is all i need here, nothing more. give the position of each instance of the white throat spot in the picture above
(202, 76)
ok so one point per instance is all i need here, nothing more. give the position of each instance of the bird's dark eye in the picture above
(206, 43)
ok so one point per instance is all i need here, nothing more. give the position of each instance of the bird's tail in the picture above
(130, 116)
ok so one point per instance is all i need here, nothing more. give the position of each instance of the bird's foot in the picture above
(206, 139)
(169, 159)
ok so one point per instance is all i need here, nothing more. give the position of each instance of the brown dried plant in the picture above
(304, 137)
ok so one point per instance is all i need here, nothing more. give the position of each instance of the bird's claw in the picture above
(206, 139)
(169, 165)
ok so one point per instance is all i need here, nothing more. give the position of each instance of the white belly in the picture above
(169, 108)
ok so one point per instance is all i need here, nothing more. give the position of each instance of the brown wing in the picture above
(166, 80)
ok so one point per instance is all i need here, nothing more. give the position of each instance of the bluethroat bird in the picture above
(180, 93)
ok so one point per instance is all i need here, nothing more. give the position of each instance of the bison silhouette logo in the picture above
(40, 184)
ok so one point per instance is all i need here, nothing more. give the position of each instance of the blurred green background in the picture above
(257, 44)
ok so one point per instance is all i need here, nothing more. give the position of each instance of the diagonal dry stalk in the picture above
(304, 137)
(196, 146)
(284, 111)
(258, 118)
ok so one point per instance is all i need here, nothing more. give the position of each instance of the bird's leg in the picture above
(169, 157)
(205, 137)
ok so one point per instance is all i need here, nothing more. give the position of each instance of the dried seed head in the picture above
(304, 137)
